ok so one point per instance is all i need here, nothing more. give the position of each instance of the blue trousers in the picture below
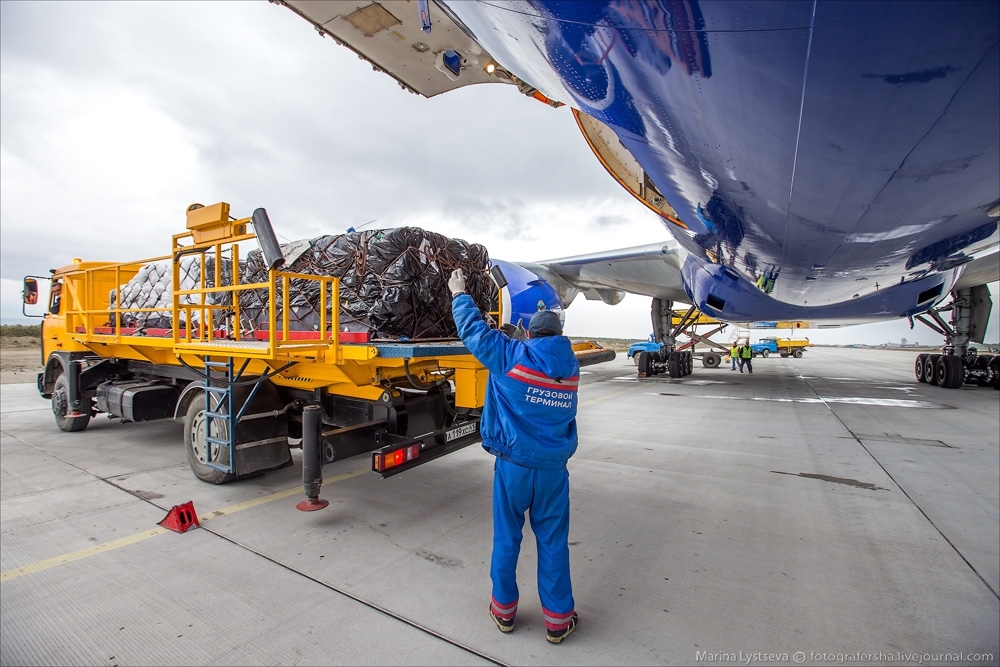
(544, 494)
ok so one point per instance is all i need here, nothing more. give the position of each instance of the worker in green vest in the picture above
(746, 356)
(734, 355)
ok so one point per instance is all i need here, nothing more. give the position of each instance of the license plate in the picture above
(461, 431)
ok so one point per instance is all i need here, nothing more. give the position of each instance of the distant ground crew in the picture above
(746, 356)
(529, 425)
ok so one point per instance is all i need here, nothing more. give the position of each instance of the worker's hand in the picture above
(457, 282)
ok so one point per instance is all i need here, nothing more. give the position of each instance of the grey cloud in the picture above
(279, 118)
(608, 221)
(510, 217)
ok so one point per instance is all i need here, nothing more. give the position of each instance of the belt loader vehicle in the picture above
(243, 398)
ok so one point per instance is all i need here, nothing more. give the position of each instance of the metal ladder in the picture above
(217, 398)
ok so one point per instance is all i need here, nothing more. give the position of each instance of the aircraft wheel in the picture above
(995, 365)
(674, 365)
(644, 361)
(950, 372)
(930, 368)
(764, 353)
(918, 367)
(983, 363)
(711, 360)
(797, 353)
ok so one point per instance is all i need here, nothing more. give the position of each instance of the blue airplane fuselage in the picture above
(827, 159)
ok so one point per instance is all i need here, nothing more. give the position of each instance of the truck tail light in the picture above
(384, 461)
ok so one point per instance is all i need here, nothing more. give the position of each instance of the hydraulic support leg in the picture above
(312, 459)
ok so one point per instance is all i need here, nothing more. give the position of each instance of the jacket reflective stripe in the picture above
(533, 377)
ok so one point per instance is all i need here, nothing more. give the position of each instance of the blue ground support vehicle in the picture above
(648, 345)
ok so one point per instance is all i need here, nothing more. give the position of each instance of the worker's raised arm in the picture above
(491, 347)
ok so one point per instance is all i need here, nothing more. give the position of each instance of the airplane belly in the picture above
(830, 148)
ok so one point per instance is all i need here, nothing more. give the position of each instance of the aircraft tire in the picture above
(674, 365)
(918, 367)
(644, 362)
(995, 364)
(711, 360)
(950, 372)
(983, 362)
(930, 368)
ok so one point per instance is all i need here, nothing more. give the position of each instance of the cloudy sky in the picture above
(115, 116)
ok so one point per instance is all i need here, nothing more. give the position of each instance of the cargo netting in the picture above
(393, 284)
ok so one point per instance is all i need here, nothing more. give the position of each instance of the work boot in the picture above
(556, 636)
(505, 625)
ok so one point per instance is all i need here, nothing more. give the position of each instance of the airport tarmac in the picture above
(824, 510)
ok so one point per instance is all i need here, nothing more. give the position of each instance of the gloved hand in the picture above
(456, 283)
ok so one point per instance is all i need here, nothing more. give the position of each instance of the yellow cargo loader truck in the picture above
(783, 347)
(247, 397)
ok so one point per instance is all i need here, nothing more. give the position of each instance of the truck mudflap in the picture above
(401, 453)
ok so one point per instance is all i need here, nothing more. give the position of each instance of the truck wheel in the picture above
(711, 360)
(196, 447)
(797, 353)
(764, 353)
(61, 409)
(635, 358)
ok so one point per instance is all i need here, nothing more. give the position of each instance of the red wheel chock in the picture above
(180, 518)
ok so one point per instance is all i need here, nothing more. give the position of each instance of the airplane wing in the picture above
(980, 271)
(652, 270)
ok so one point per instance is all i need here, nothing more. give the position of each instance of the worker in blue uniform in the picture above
(529, 425)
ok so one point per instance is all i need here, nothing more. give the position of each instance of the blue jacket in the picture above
(531, 394)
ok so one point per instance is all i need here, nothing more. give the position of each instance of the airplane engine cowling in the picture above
(525, 294)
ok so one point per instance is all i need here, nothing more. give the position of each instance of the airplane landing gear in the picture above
(960, 364)
(675, 364)
(669, 359)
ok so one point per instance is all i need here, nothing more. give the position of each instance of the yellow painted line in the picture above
(77, 555)
(232, 509)
(153, 532)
